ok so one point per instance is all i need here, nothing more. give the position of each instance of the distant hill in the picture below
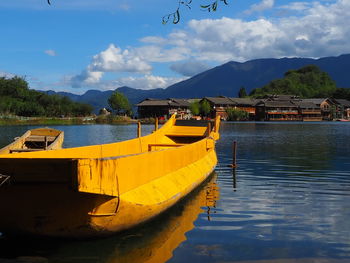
(226, 80)
(99, 99)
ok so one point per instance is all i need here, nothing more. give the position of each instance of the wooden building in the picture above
(278, 108)
(342, 109)
(277, 111)
(309, 111)
(268, 108)
(219, 105)
(247, 105)
(324, 104)
(149, 108)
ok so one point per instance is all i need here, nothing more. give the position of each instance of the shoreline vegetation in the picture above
(110, 119)
(122, 120)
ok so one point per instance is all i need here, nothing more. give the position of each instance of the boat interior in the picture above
(174, 133)
(35, 140)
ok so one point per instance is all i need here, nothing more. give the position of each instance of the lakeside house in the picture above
(309, 111)
(268, 108)
(342, 109)
(325, 106)
(163, 108)
(278, 108)
(219, 105)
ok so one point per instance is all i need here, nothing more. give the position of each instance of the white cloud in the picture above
(147, 82)
(154, 40)
(262, 6)
(296, 6)
(190, 68)
(159, 54)
(85, 78)
(50, 52)
(6, 75)
(321, 29)
(113, 59)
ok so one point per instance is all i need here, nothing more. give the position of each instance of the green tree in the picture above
(306, 82)
(242, 93)
(342, 93)
(119, 103)
(18, 99)
(205, 107)
(237, 114)
(195, 108)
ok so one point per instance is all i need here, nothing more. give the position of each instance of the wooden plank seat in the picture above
(189, 131)
(40, 138)
(163, 145)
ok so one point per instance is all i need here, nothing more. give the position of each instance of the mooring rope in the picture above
(3, 179)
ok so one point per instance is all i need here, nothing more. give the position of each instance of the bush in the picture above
(237, 114)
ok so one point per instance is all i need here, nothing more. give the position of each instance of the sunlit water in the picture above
(288, 201)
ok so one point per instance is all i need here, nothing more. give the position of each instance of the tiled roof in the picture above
(164, 102)
(153, 102)
(220, 100)
(342, 102)
(306, 105)
(282, 97)
(316, 101)
(179, 102)
(285, 104)
(244, 101)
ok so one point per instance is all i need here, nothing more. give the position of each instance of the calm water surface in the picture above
(288, 201)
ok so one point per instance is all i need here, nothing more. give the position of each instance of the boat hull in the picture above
(53, 208)
(63, 193)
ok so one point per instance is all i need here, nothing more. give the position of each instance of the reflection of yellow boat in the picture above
(35, 140)
(153, 242)
(160, 245)
(97, 190)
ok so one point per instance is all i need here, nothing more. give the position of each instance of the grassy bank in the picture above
(16, 120)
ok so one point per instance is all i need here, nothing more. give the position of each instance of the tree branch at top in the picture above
(175, 16)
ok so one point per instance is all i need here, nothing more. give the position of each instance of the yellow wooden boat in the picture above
(98, 190)
(36, 140)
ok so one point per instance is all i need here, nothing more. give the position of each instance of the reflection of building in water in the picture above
(161, 237)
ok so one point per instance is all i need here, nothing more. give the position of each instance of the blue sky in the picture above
(77, 45)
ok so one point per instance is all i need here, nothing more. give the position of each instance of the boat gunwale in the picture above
(171, 122)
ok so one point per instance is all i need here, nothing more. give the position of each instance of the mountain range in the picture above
(225, 80)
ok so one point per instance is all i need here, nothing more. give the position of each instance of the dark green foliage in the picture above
(205, 108)
(306, 82)
(342, 93)
(119, 103)
(237, 114)
(195, 108)
(17, 99)
(242, 93)
(200, 107)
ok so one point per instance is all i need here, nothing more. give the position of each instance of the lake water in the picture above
(288, 201)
